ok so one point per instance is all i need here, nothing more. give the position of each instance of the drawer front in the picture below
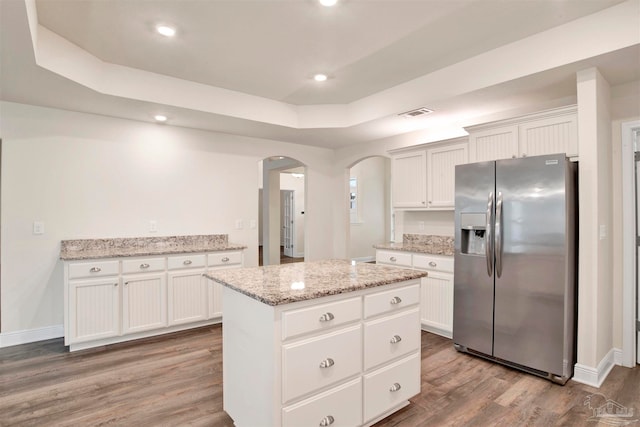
(143, 265)
(93, 269)
(317, 318)
(391, 337)
(311, 364)
(340, 406)
(224, 258)
(186, 261)
(402, 259)
(391, 301)
(391, 385)
(429, 262)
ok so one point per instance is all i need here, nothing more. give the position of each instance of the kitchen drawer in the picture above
(340, 406)
(319, 362)
(186, 261)
(391, 385)
(430, 262)
(143, 265)
(390, 301)
(93, 269)
(391, 337)
(320, 317)
(401, 259)
(224, 258)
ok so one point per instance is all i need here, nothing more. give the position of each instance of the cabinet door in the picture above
(408, 177)
(550, 136)
(493, 144)
(215, 288)
(441, 171)
(144, 302)
(187, 297)
(94, 309)
(437, 303)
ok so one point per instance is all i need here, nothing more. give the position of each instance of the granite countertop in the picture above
(80, 249)
(283, 284)
(422, 243)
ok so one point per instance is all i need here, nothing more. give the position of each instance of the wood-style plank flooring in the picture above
(176, 380)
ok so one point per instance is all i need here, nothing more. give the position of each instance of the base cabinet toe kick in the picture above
(341, 360)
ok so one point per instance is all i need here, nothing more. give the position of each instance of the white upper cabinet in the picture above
(548, 132)
(441, 171)
(408, 174)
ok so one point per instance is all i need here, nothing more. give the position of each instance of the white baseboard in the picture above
(8, 339)
(364, 259)
(436, 329)
(596, 376)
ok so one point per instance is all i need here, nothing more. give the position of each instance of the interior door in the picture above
(288, 221)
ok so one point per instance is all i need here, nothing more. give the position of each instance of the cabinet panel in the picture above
(391, 337)
(391, 301)
(441, 171)
(187, 297)
(95, 268)
(408, 179)
(186, 261)
(224, 258)
(94, 309)
(143, 265)
(493, 144)
(401, 259)
(144, 303)
(320, 317)
(550, 136)
(437, 303)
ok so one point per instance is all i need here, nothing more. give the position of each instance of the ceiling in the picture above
(246, 67)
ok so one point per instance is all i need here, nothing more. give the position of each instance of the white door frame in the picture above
(629, 285)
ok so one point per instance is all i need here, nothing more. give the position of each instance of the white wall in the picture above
(372, 226)
(89, 176)
(438, 223)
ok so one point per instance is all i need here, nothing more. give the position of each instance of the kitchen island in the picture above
(319, 343)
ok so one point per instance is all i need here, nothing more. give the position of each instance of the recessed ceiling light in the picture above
(160, 118)
(320, 77)
(166, 30)
(328, 2)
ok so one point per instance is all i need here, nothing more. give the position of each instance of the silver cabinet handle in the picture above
(395, 300)
(395, 339)
(327, 363)
(392, 259)
(144, 265)
(488, 247)
(115, 284)
(187, 262)
(432, 264)
(513, 156)
(327, 421)
(524, 154)
(95, 270)
(126, 283)
(225, 259)
(327, 317)
(395, 387)
(423, 202)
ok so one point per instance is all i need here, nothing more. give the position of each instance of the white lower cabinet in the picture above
(341, 360)
(144, 301)
(187, 296)
(96, 309)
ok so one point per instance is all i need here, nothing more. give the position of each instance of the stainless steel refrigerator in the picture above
(515, 263)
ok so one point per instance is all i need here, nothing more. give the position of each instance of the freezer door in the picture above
(473, 275)
(531, 267)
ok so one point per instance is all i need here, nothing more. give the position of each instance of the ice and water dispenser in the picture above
(473, 231)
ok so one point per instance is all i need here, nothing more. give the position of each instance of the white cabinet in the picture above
(187, 296)
(548, 132)
(441, 172)
(96, 309)
(219, 261)
(144, 302)
(343, 360)
(408, 179)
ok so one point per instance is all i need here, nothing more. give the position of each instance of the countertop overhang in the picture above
(282, 284)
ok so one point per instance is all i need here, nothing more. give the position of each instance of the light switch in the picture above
(153, 226)
(421, 225)
(38, 227)
(603, 231)
(252, 223)
(239, 224)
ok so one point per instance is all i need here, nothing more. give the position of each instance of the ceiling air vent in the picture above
(417, 112)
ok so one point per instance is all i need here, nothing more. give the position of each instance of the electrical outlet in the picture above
(153, 226)
(421, 225)
(38, 227)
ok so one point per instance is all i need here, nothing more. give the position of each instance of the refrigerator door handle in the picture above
(498, 234)
(488, 247)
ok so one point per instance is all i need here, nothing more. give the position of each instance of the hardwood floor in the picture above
(177, 380)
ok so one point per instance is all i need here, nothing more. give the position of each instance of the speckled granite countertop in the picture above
(71, 250)
(283, 284)
(422, 243)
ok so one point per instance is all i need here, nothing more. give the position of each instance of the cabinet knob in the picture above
(524, 154)
(432, 264)
(144, 265)
(115, 284)
(395, 300)
(395, 339)
(513, 156)
(423, 202)
(327, 421)
(327, 317)
(225, 259)
(392, 259)
(95, 270)
(126, 283)
(395, 387)
(327, 363)
(187, 262)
